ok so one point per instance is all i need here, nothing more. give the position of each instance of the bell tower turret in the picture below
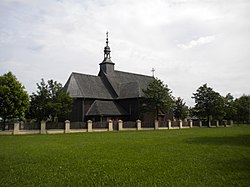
(107, 66)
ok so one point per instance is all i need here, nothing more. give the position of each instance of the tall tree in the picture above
(242, 105)
(14, 100)
(180, 109)
(50, 102)
(209, 104)
(157, 98)
(230, 108)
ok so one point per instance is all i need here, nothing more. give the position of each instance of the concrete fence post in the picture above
(16, 128)
(180, 124)
(209, 123)
(169, 124)
(156, 124)
(217, 123)
(200, 123)
(90, 126)
(138, 124)
(43, 127)
(190, 123)
(120, 123)
(224, 122)
(110, 125)
(67, 126)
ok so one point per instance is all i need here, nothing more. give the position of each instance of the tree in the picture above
(230, 109)
(180, 109)
(50, 102)
(157, 98)
(14, 100)
(209, 104)
(242, 106)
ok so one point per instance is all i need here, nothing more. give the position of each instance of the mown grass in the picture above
(187, 157)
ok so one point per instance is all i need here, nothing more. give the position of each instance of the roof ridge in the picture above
(84, 74)
(133, 73)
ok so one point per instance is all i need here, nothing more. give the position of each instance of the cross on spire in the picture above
(107, 38)
(107, 48)
(153, 72)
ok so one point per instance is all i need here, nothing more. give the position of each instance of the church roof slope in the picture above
(105, 108)
(87, 86)
(128, 85)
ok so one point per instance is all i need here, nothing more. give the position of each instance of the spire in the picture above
(107, 38)
(107, 66)
(107, 48)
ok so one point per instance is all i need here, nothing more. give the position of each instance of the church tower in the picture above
(107, 66)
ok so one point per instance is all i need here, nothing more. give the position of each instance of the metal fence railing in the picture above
(185, 123)
(100, 125)
(78, 125)
(55, 125)
(8, 126)
(30, 126)
(163, 124)
(174, 124)
(147, 125)
(196, 123)
(129, 124)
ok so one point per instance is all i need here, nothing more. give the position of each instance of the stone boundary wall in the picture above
(138, 126)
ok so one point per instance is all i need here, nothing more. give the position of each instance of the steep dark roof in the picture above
(128, 85)
(115, 85)
(87, 86)
(105, 108)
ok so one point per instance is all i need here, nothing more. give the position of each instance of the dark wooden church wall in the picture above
(76, 111)
(132, 108)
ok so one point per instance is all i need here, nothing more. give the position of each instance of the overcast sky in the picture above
(188, 42)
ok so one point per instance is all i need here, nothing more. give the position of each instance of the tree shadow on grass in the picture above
(241, 140)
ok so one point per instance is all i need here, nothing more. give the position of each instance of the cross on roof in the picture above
(153, 72)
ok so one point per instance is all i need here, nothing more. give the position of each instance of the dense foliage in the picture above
(242, 106)
(180, 109)
(230, 108)
(14, 100)
(50, 102)
(157, 98)
(208, 103)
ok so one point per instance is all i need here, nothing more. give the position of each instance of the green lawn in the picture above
(187, 157)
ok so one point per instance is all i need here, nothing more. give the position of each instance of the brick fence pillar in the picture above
(90, 125)
(156, 124)
(43, 127)
(138, 124)
(120, 123)
(180, 124)
(67, 126)
(190, 123)
(110, 125)
(16, 128)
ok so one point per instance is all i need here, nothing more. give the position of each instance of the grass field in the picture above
(187, 157)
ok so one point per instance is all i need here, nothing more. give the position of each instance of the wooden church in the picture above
(111, 94)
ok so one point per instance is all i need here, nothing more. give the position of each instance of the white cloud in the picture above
(197, 42)
(50, 39)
